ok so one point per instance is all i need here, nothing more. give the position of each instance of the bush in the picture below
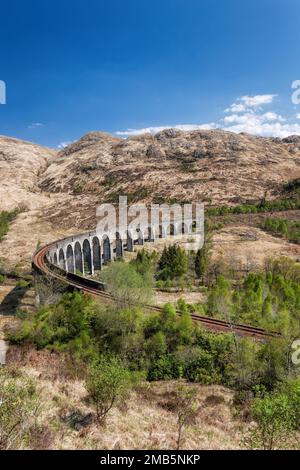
(108, 383)
(291, 388)
(165, 368)
(63, 326)
(18, 407)
(275, 420)
(5, 219)
(22, 284)
(128, 287)
(145, 262)
(200, 368)
(263, 206)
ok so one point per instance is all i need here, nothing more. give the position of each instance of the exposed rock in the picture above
(292, 139)
(153, 151)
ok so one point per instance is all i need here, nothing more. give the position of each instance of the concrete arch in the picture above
(119, 246)
(61, 259)
(129, 242)
(184, 228)
(87, 257)
(140, 238)
(96, 254)
(150, 233)
(162, 232)
(70, 259)
(55, 259)
(171, 230)
(78, 258)
(106, 249)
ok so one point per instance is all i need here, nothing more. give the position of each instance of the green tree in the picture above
(203, 255)
(173, 263)
(186, 410)
(156, 346)
(108, 383)
(219, 300)
(144, 263)
(185, 327)
(127, 286)
(275, 420)
(18, 408)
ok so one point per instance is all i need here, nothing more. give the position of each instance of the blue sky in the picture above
(120, 66)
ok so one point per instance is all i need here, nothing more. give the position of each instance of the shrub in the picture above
(200, 368)
(108, 383)
(5, 219)
(286, 228)
(186, 410)
(18, 407)
(144, 263)
(275, 419)
(128, 287)
(164, 368)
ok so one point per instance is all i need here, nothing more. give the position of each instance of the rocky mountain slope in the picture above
(21, 163)
(212, 166)
(60, 191)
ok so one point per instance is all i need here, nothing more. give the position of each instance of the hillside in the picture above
(146, 421)
(215, 167)
(59, 191)
(21, 163)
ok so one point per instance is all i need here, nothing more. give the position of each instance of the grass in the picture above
(145, 421)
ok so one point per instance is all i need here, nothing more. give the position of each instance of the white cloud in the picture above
(236, 108)
(258, 125)
(246, 114)
(156, 129)
(63, 145)
(257, 100)
(253, 118)
(35, 125)
(250, 103)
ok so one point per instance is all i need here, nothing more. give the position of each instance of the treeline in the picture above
(270, 298)
(157, 346)
(286, 228)
(263, 206)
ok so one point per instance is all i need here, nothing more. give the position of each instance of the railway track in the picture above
(41, 265)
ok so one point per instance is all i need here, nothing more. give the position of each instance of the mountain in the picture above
(60, 190)
(21, 163)
(216, 167)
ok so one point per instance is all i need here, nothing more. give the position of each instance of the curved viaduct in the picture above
(72, 259)
(88, 252)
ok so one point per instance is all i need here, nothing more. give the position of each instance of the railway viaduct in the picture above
(88, 252)
(73, 259)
